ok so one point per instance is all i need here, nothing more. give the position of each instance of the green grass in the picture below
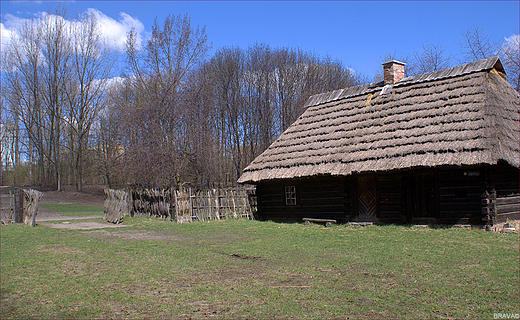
(251, 269)
(74, 210)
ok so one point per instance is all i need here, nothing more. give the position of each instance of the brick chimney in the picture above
(393, 71)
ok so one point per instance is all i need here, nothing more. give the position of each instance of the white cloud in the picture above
(12, 21)
(513, 41)
(5, 35)
(115, 32)
(7, 28)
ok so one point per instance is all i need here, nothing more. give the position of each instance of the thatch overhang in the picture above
(466, 115)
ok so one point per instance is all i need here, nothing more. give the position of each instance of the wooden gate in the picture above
(366, 187)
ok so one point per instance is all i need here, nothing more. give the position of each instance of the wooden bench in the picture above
(326, 221)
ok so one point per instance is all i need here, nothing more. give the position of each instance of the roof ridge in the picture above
(475, 66)
(472, 67)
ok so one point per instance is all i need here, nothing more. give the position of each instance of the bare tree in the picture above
(476, 45)
(57, 51)
(56, 70)
(510, 56)
(23, 86)
(431, 58)
(109, 134)
(290, 65)
(159, 73)
(91, 63)
(228, 69)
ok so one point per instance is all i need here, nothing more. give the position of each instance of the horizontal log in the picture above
(508, 208)
(391, 196)
(454, 195)
(387, 208)
(453, 190)
(389, 214)
(299, 216)
(338, 189)
(322, 203)
(508, 200)
(460, 207)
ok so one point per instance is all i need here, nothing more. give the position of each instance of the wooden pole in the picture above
(176, 206)
(18, 205)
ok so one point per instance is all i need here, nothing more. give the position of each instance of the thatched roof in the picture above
(465, 115)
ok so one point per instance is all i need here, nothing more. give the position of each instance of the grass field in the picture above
(251, 269)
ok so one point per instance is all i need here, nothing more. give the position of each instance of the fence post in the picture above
(233, 200)
(191, 206)
(216, 193)
(18, 205)
(31, 207)
(172, 205)
(176, 206)
(211, 212)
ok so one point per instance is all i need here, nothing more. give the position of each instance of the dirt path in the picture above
(68, 218)
(87, 225)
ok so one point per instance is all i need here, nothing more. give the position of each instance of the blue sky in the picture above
(357, 33)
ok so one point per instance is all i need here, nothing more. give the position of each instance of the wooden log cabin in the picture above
(440, 147)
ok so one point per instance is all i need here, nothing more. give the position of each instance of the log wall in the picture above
(323, 198)
(507, 208)
(454, 196)
(460, 191)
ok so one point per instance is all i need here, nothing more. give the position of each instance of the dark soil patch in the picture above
(244, 257)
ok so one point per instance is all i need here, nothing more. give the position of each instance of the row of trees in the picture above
(185, 119)
(54, 74)
(175, 115)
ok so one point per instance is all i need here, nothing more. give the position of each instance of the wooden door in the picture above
(425, 195)
(366, 188)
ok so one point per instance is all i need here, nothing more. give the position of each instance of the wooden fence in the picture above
(23, 206)
(178, 205)
(117, 205)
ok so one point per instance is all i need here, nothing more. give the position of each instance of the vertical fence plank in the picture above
(23, 206)
(18, 205)
(31, 199)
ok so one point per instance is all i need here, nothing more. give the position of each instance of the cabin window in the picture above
(290, 195)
